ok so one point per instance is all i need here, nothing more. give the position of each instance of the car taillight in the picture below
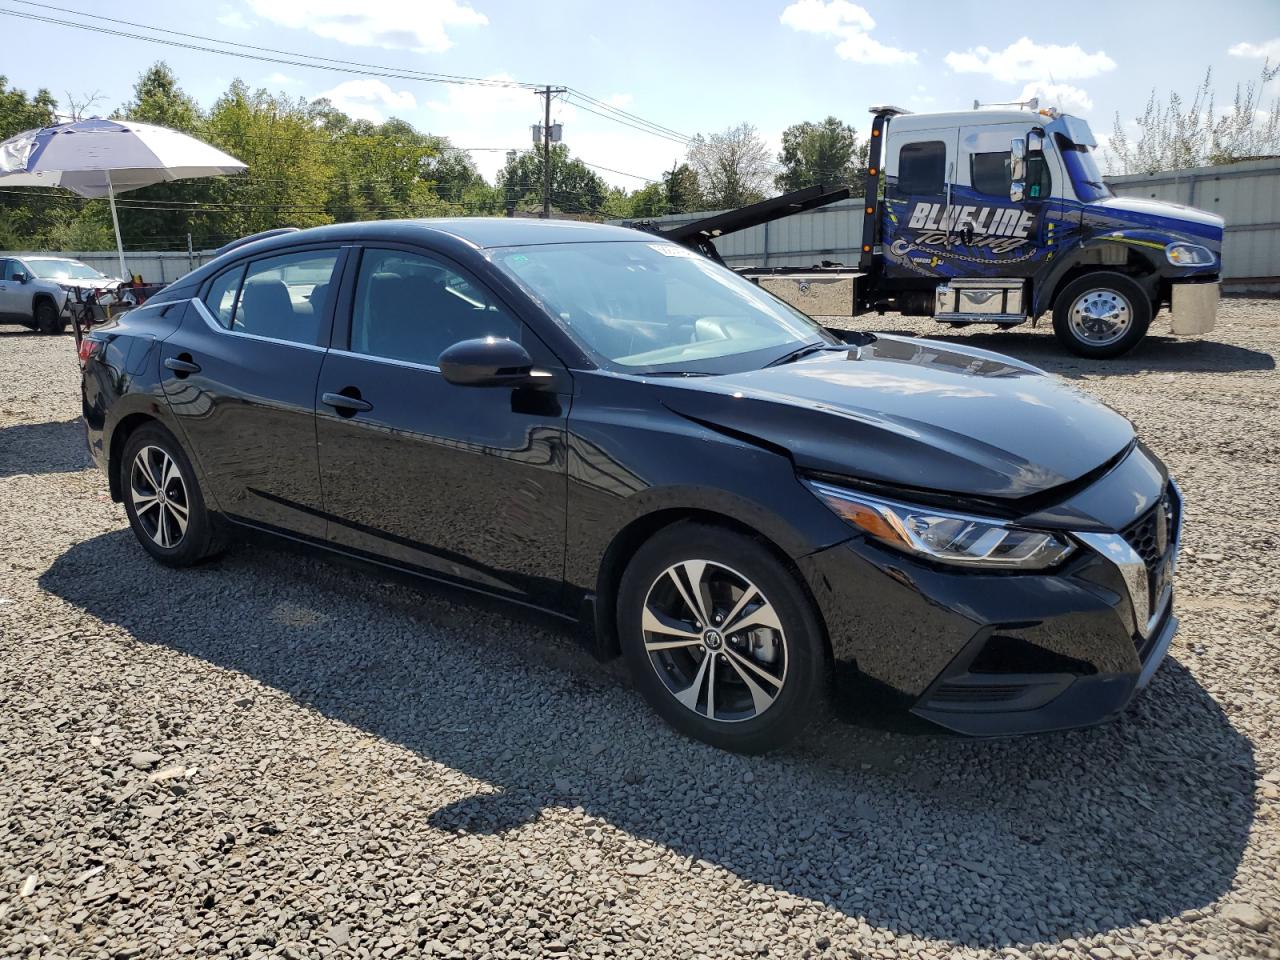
(88, 348)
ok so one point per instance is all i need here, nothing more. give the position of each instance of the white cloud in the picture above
(1065, 97)
(234, 19)
(1024, 59)
(418, 25)
(279, 79)
(851, 24)
(1268, 48)
(619, 100)
(369, 99)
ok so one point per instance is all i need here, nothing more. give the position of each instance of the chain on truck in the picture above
(997, 217)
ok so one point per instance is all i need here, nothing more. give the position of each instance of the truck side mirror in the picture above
(1018, 159)
(19, 277)
(1017, 190)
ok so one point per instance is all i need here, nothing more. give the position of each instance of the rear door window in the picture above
(283, 298)
(922, 168)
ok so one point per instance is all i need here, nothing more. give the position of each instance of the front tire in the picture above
(47, 319)
(1101, 315)
(163, 501)
(722, 639)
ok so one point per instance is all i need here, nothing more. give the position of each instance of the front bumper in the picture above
(994, 654)
(1194, 307)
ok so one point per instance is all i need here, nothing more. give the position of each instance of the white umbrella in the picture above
(100, 158)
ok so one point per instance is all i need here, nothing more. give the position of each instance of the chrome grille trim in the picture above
(1135, 571)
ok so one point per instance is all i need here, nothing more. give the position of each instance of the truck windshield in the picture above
(654, 308)
(1083, 170)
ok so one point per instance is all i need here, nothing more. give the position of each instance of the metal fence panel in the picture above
(154, 266)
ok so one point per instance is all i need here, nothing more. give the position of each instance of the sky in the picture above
(694, 66)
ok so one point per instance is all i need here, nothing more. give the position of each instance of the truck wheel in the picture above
(47, 319)
(1101, 315)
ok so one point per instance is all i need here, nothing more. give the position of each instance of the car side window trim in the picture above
(325, 326)
(212, 323)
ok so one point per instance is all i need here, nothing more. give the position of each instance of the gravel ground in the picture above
(278, 756)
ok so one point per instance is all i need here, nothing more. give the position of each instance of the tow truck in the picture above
(997, 217)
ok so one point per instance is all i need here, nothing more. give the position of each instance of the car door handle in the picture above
(342, 402)
(178, 365)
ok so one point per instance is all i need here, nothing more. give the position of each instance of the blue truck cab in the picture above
(1002, 216)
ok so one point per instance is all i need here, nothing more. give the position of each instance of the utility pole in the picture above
(547, 93)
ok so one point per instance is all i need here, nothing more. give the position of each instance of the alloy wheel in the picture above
(715, 641)
(159, 496)
(1101, 317)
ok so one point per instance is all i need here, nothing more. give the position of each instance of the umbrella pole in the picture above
(115, 222)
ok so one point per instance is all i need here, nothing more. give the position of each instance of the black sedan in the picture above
(611, 428)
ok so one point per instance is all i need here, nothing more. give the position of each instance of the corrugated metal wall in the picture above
(1246, 195)
(155, 267)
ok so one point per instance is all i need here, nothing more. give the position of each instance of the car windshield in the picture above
(63, 270)
(652, 307)
(1083, 170)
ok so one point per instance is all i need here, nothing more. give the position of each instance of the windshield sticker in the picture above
(672, 250)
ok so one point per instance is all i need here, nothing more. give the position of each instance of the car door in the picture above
(919, 173)
(463, 483)
(1002, 236)
(240, 375)
(11, 291)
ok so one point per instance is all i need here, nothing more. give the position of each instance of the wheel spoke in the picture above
(693, 569)
(760, 698)
(743, 600)
(179, 514)
(689, 695)
(162, 527)
(655, 622)
(762, 616)
(711, 686)
(144, 465)
(171, 472)
(142, 502)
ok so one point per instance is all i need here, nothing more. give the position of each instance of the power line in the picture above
(293, 58)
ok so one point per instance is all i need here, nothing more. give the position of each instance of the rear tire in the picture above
(1101, 315)
(748, 690)
(162, 498)
(46, 317)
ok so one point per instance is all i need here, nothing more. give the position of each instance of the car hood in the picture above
(915, 413)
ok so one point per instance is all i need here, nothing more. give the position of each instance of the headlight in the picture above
(1188, 255)
(945, 537)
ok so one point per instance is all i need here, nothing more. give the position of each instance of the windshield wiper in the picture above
(806, 350)
(677, 373)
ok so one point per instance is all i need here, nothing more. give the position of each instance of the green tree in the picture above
(684, 195)
(158, 99)
(575, 187)
(820, 153)
(26, 216)
(733, 166)
(649, 201)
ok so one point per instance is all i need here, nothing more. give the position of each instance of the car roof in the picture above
(481, 232)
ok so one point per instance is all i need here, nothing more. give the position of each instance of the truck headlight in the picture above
(1188, 255)
(943, 536)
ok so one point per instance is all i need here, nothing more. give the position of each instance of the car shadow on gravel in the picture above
(1153, 355)
(36, 448)
(982, 843)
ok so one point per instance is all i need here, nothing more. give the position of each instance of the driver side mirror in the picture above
(490, 362)
(1017, 169)
(20, 277)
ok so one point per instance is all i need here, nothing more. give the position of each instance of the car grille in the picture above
(1153, 537)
